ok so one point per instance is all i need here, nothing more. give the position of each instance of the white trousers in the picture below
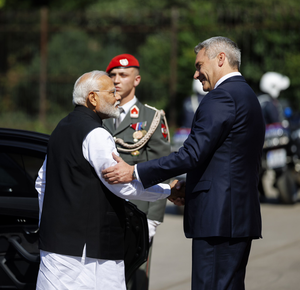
(60, 272)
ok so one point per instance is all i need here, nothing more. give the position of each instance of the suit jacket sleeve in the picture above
(212, 123)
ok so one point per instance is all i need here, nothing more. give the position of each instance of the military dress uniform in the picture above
(131, 136)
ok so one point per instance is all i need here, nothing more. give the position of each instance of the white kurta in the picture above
(66, 272)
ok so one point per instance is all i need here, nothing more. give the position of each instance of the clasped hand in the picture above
(177, 195)
(119, 173)
(122, 173)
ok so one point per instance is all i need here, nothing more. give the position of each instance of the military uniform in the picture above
(157, 146)
(137, 123)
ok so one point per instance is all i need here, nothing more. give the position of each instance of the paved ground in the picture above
(274, 262)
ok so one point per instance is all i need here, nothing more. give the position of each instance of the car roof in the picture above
(24, 139)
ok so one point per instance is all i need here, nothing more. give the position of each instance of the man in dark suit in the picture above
(222, 157)
(141, 134)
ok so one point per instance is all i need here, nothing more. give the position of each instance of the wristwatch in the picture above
(134, 174)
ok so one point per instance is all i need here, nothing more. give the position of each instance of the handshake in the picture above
(122, 173)
(177, 192)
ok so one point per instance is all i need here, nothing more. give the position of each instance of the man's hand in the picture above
(120, 173)
(177, 192)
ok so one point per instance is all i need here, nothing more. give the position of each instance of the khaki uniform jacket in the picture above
(156, 147)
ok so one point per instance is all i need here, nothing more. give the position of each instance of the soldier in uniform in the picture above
(141, 134)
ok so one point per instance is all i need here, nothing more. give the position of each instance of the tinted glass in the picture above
(18, 171)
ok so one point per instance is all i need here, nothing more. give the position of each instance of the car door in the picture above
(21, 155)
(19, 254)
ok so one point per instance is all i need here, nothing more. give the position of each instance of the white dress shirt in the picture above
(67, 272)
(222, 79)
(126, 107)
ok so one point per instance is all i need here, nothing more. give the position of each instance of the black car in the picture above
(21, 155)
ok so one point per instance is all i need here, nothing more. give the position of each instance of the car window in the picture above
(18, 171)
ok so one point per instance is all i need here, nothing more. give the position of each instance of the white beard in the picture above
(110, 110)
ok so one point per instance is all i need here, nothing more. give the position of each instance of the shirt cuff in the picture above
(136, 173)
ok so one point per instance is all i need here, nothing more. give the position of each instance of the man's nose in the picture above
(116, 79)
(196, 75)
(117, 96)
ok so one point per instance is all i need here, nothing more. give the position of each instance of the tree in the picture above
(85, 35)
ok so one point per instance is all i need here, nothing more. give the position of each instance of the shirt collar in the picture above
(222, 79)
(126, 107)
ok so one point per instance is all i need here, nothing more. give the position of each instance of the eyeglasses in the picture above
(114, 90)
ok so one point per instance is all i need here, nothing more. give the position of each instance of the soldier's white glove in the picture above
(152, 228)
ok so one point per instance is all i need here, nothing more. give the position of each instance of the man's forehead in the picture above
(200, 56)
(119, 70)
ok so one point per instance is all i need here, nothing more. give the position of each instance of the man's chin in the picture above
(112, 114)
(115, 114)
(206, 88)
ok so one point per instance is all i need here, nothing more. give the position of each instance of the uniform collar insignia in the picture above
(134, 112)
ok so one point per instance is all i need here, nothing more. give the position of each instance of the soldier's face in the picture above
(125, 81)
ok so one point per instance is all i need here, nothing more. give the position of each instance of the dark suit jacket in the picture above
(156, 147)
(222, 157)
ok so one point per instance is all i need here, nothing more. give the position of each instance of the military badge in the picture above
(124, 62)
(135, 153)
(138, 126)
(164, 130)
(134, 112)
(137, 135)
(140, 132)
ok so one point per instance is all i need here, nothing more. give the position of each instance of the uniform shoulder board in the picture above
(162, 112)
(153, 108)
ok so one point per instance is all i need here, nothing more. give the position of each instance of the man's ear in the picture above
(137, 80)
(91, 99)
(221, 58)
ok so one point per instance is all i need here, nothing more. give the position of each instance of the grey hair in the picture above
(214, 45)
(83, 88)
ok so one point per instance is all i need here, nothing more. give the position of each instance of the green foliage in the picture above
(154, 87)
(23, 121)
(29, 4)
(85, 34)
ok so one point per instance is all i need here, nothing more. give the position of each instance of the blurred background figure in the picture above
(191, 104)
(281, 147)
(271, 84)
